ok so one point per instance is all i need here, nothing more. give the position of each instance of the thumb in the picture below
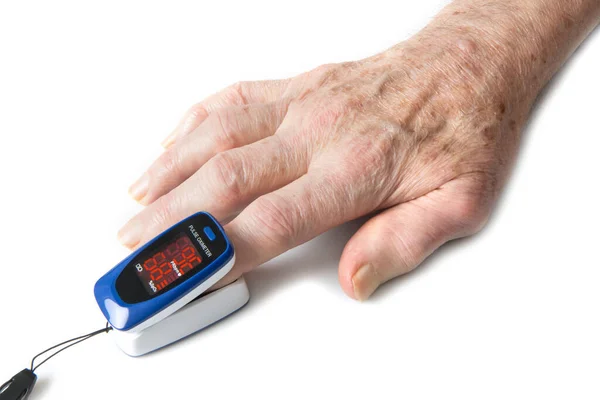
(400, 238)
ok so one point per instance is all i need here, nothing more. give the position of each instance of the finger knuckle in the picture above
(237, 93)
(226, 176)
(163, 211)
(276, 220)
(469, 212)
(169, 163)
(321, 121)
(223, 131)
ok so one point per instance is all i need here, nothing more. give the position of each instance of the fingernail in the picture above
(139, 189)
(129, 235)
(365, 282)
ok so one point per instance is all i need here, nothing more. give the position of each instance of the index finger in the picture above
(289, 217)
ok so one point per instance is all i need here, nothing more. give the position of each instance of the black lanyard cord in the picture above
(20, 385)
(72, 342)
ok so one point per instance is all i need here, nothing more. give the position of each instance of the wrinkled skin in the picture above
(422, 135)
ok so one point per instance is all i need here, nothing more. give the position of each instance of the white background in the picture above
(87, 92)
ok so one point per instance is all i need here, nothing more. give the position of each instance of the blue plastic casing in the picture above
(125, 316)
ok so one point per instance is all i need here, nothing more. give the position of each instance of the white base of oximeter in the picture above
(195, 316)
(186, 299)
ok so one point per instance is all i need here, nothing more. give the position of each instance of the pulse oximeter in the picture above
(154, 297)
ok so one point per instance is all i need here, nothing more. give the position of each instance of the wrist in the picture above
(517, 45)
(466, 70)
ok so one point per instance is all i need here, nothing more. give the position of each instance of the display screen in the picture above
(168, 263)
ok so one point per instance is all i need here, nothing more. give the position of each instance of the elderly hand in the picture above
(422, 135)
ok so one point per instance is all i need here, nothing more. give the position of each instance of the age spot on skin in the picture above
(568, 22)
(502, 108)
(447, 148)
(489, 134)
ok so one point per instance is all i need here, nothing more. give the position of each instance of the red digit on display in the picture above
(188, 252)
(159, 268)
(166, 268)
(179, 259)
(159, 258)
(149, 265)
(154, 276)
(187, 265)
(191, 254)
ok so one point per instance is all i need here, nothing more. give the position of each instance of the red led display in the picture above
(168, 264)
